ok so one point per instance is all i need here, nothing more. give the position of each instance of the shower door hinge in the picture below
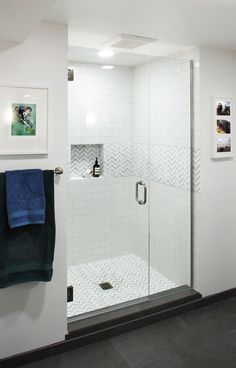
(70, 294)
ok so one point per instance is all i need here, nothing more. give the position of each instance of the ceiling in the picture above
(88, 55)
(16, 22)
(177, 24)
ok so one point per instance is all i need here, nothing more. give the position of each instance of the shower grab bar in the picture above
(140, 201)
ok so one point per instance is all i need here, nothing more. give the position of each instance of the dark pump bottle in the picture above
(96, 169)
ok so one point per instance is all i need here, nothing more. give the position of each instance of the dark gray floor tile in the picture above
(209, 355)
(205, 355)
(228, 305)
(101, 355)
(45, 363)
(174, 362)
(137, 352)
(230, 338)
(154, 343)
(212, 320)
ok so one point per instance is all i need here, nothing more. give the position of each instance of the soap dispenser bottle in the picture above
(96, 169)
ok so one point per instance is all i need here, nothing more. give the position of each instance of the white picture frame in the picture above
(222, 128)
(23, 120)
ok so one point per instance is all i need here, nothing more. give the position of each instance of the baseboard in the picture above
(74, 342)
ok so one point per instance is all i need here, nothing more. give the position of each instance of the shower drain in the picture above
(105, 285)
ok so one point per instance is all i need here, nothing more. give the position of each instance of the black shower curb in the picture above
(70, 343)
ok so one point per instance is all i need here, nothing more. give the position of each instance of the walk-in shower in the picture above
(129, 229)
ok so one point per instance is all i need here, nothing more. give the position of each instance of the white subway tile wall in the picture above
(100, 104)
(170, 184)
(100, 212)
(170, 232)
(170, 102)
(141, 108)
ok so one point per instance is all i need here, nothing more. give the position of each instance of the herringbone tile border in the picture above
(169, 165)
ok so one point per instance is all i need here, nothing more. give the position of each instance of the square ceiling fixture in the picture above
(126, 41)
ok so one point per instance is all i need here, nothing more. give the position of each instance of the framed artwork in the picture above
(222, 142)
(23, 120)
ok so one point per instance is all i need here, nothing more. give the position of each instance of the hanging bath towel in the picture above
(27, 252)
(25, 197)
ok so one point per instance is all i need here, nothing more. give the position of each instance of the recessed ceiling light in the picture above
(107, 67)
(106, 53)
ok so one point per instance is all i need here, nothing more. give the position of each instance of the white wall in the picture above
(25, 16)
(215, 252)
(33, 315)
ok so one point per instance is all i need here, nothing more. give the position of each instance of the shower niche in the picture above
(82, 159)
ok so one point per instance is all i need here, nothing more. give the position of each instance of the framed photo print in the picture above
(23, 120)
(222, 128)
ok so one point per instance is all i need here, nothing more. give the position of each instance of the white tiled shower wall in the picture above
(100, 213)
(100, 105)
(104, 219)
(169, 114)
(100, 210)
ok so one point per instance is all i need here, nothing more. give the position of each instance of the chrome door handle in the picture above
(140, 201)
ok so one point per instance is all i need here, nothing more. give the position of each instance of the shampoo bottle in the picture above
(96, 169)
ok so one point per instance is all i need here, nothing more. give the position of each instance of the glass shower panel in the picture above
(108, 250)
(170, 173)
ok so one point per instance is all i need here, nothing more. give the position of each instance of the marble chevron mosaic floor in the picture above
(128, 276)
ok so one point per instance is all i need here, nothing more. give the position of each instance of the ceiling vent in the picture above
(125, 41)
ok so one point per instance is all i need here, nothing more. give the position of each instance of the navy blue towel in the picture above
(25, 197)
(27, 252)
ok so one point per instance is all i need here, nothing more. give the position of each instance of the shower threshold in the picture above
(131, 315)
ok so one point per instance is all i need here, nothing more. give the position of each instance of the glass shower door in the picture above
(170, 173)
(108, 252)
